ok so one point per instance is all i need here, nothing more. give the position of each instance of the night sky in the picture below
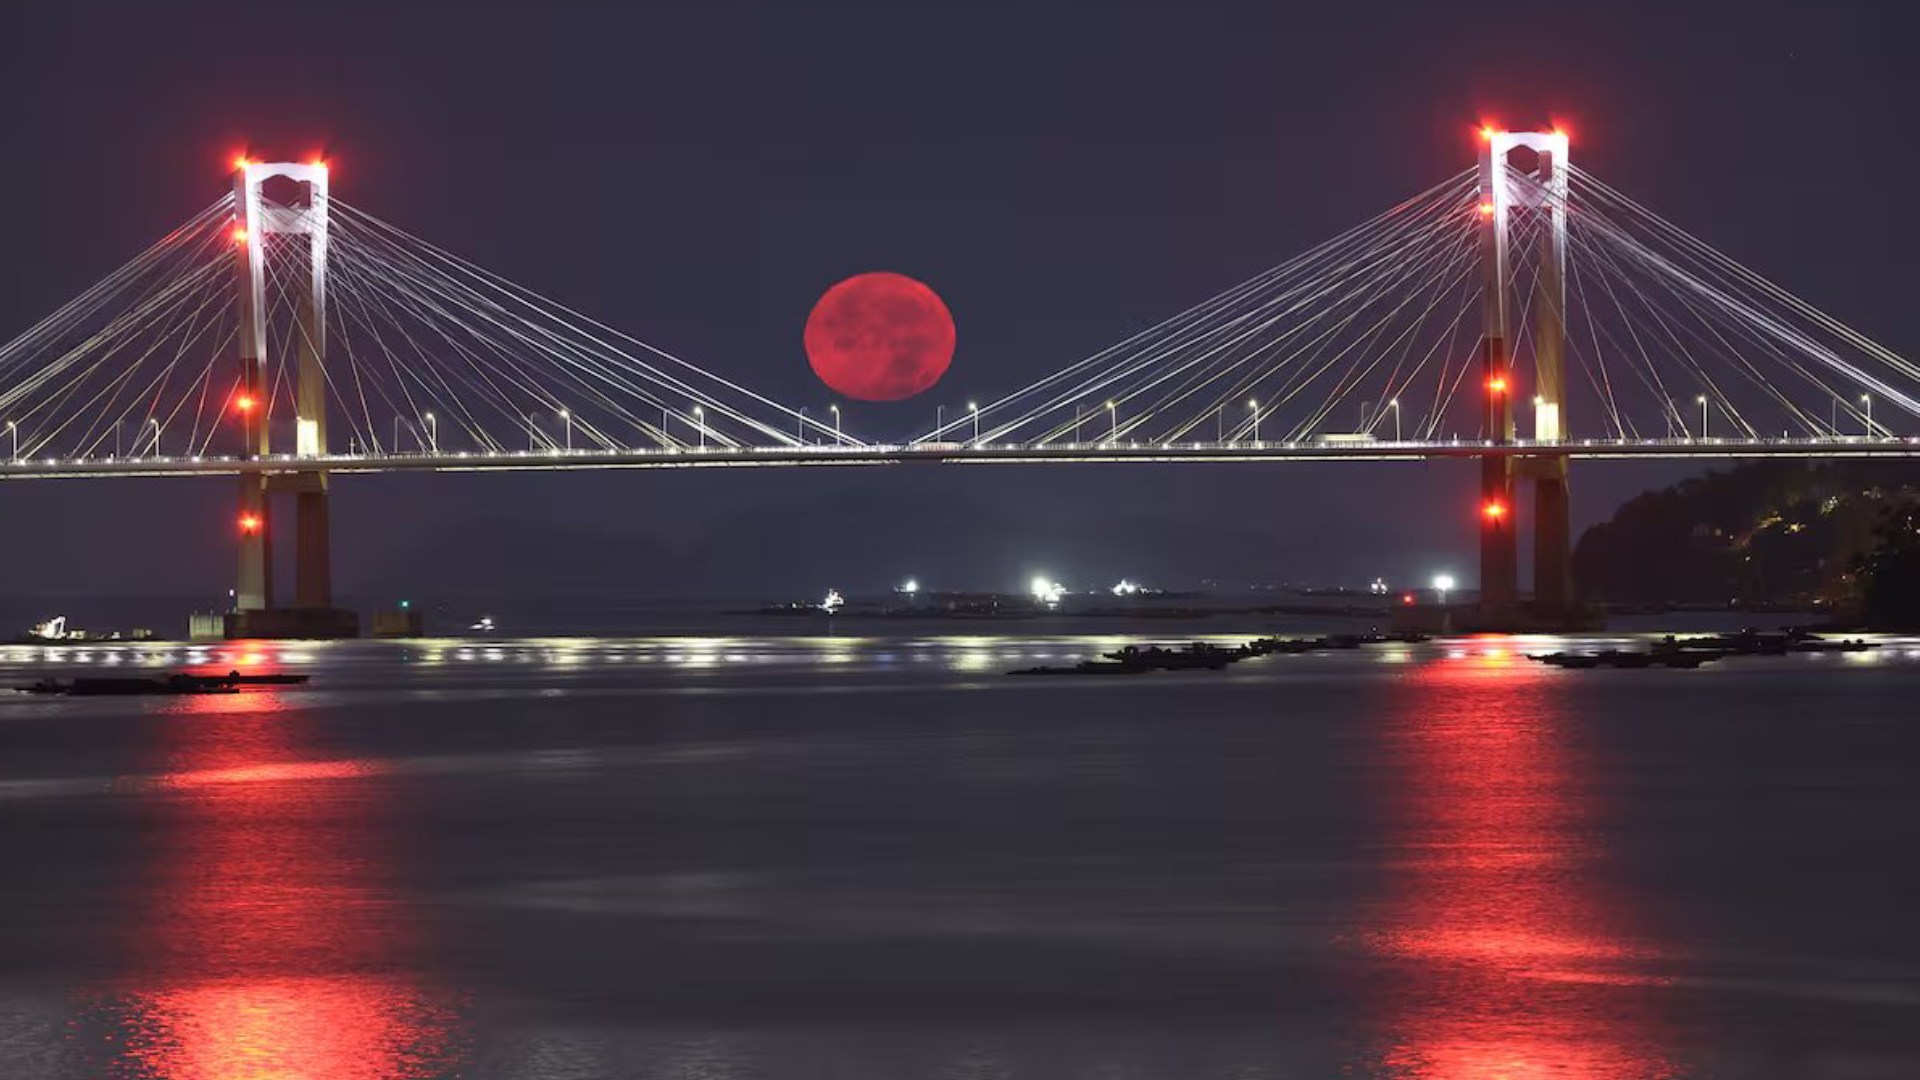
(1063, 175)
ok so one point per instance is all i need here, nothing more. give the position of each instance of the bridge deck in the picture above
(791, 456)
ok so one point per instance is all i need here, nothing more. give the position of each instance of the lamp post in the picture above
(1113, 422)
(800, 426)
(1442, 585)
(700, 421)
(940, 422)
(13, 429)
(533, 429)
(1867, 400)
(1253, 410)
(566, 422)
(1702, 399)
(836, 422)
(974, 408)
(1394, 404)
(433, 434)
(155, 424)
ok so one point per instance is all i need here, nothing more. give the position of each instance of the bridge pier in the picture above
(1552, 540)
(254, 587)
(312, 550)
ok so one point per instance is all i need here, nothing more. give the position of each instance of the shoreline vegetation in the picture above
(1841, 539)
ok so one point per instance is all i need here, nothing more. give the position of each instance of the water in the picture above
(706, 858)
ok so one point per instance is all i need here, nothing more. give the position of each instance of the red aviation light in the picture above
(1407, 599)
(1497, 385)
(1494, 511)
(244, 403)
(249, 524)
(239, 235)
(242, 162)
(1486, 209)
(1488, 131)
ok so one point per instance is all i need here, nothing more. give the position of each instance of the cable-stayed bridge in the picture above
(1522, 313)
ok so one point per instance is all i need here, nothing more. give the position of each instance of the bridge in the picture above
(1522, 313)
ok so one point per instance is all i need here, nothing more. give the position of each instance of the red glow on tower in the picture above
(1486, 209)
(1497, 385)
(244, 403)
(249, 524)
(1494, 511)
(1407, 599)
(239, 235)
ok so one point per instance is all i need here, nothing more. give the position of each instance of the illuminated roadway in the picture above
(956, 453)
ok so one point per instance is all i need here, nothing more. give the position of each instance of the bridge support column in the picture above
(254, 588)
(1552, 540)
(312, 554)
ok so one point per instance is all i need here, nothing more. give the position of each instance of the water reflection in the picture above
(272, 945)
(1502, 961)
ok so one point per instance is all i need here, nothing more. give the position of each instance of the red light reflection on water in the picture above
(273, 946)
(1502, 965)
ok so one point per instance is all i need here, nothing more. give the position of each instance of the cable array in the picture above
(1372, 335)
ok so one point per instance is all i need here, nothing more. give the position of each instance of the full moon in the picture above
(880, 337)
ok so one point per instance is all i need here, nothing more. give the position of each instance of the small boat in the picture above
(1818, 645)
(1569, 660)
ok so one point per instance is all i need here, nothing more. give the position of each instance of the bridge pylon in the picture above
(256, 610)
(1509, 190)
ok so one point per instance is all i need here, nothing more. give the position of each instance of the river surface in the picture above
(713, 858)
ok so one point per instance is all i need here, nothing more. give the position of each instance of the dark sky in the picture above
(1063, 174)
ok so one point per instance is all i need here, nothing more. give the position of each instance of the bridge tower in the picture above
(1509, 190)
(256, 219)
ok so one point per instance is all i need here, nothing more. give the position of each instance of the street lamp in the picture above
(1394, 404)
(1113, 422)
(975, 410)
(155, 423)
(1442, 585)
(836, 422)
(13, 429)
(566, 422)
(1253, 409)
(700, 421)
(800, 426)
(1702, 399)
(433, 434)
(940, 422)
(1867, 400)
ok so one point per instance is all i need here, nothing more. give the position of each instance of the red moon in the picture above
(880, 337)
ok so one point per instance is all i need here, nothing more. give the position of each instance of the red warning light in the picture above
(1407, 599)
(1488, 131)
(1497, 385)
(244, 403)
(249, 523)
(241, 162)
(239, 235)
(1486, 209)
(1494, 510)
